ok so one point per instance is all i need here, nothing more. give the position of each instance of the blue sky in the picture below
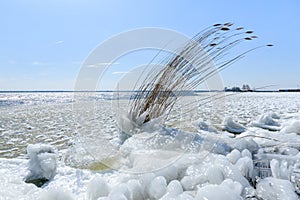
(43, 43)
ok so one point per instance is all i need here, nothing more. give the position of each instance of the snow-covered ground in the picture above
(251, 152)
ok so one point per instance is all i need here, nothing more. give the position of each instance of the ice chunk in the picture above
(145, 181)
(185, 196)
(281, 169)
(174, 187)
(103, 198)
(42, 163)
(272, 188)
(97, 187)
(245, 143)
(233, 156)
(275, 115)
(246, 153)
(188, 183)
(119, 191)
(288, 151)
(215, 175)
(245, 165)
(275, 168)
(228, 190)
(204, 126)
(267, 122)
(233, 126)
(292, 127)
(117, 196)
(135, 189)
(158, 187)
(236, 187)
(170, 173)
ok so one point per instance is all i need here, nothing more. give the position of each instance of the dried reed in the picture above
(186, 69)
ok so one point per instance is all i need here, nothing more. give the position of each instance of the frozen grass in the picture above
(203, 56)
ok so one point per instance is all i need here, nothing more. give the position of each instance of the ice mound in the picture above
(232, 126)
(234, 156)
(120, 191)
(228, 189)
(267, 121)
(202, 125)
(157, 188)
(128, 127)
(135, 189)
(42, 162)
(281, 169)
(272, 188)
(245, 165)
(292, 127)
(214, 169)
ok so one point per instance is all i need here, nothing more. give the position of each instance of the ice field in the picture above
(248, 149)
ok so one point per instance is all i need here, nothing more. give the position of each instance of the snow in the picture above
(167, 163)
(57, 194)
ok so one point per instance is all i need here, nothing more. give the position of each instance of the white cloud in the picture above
(39, 63)
(100, 65)
(59, 42)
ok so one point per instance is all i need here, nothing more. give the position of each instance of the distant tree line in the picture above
(245, 88)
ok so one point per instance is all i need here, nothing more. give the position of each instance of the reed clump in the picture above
(206, 54)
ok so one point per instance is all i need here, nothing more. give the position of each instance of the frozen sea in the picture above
(237, 146)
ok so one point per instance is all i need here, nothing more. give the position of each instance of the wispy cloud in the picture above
(38, 63)
(59, 42)
(120, 72)
(100, 65)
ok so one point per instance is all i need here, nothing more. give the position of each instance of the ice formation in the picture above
(267, 121)
(233, 126)
(42, 162)
(272, 188)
